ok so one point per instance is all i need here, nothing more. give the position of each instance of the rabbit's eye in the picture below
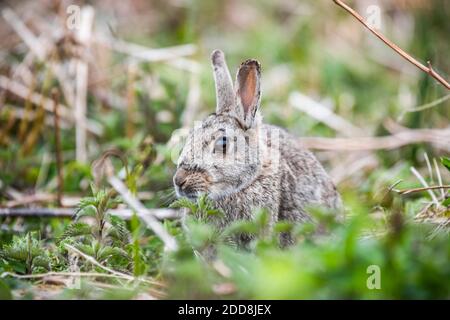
(220, 145)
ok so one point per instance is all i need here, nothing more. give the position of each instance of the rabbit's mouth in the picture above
(188, 190)
(185, 193)
(190, 184)
(190, 194)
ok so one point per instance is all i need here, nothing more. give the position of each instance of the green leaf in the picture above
(5, 291)
(88, 210)
(446, 202)
(283, 226)
(184, 203)
(446, 162)
(18, 266)
(42, 261)
(26, 253)
(213, 212)
(135, 225)
(90, 250)
(74, 230)
(241, 226)
(139, 266)
(118, 230)
(106, 253)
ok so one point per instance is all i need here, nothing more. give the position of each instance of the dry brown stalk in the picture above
(427, 69)
(408, 191)
(440, 138)
(31, 115)
(148, 54)
(143, 213)
(159, 213)
(84, 35)
(4, 130)
(24, 122)
(74, 274)
(59, 161)
(23, 92)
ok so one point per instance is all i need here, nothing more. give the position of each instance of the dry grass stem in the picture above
(427, 69)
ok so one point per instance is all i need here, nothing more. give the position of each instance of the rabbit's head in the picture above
(222, 153)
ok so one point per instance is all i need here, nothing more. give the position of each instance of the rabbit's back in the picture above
(303, 180)
(297, 180)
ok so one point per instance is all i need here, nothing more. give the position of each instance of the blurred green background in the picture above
(311, 47)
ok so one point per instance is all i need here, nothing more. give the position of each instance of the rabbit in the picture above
(243, 164)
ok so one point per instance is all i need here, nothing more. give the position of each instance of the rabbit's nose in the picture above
(180, 177)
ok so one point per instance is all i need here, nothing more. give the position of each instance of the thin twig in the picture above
(438, 174)
(438, 137)
(424, 106)
(408, 191)
(159, 213)
(429, 70)
(427, 161)
(72, 274)
(144, 53)
(98, 264)
(23, 200)
(143, 213)
(425, 184)
(391, 188)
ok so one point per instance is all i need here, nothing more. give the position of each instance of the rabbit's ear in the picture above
(224, 84)
(248, 94)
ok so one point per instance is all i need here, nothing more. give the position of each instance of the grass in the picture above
(312, 48)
